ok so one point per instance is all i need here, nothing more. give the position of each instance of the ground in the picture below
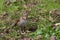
(42, 15)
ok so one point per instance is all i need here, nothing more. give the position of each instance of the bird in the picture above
(23, 21)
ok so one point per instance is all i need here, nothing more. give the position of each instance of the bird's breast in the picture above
(23, 23)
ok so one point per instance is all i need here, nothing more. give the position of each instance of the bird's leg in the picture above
(22, 31)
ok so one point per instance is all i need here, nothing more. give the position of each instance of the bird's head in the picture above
(25, 14)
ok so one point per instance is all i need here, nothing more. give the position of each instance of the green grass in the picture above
(44, 25)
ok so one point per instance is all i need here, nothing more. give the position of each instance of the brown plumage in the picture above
(23, 21)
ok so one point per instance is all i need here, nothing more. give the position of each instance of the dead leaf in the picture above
(7, 3)
(29, 5)
(51, 19)
(57, 1)
(39, 37)
(52, 37)
(13, 0)
(2, 34)
(9, 30)
(54, 11)
(57, 24)
(25, 6)
(26, 38)
(34, 3)
(4, 15)
(41, 11)
(12, 38)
